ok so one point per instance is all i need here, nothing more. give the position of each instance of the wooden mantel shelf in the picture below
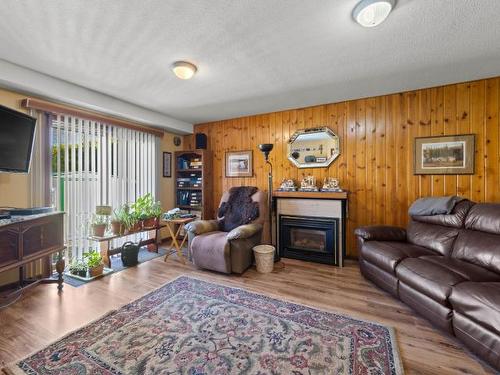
(310, 194)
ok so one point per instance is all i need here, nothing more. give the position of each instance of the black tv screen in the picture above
(17, 131)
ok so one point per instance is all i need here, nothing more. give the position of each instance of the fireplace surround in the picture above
(310, 238)
(311, 226)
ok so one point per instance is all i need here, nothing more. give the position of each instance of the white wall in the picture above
(28, 81)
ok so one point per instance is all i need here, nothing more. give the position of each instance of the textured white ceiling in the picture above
(253, 56)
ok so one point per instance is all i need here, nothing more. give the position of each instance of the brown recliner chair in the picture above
(228, 252)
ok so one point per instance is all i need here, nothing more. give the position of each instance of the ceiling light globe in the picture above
(371, 13)
(183, 69)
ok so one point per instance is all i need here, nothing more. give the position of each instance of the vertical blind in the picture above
(98, 164)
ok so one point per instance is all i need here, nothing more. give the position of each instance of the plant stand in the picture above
(107, 251)
(105, 272)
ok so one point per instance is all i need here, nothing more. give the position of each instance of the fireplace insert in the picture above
(308, 238)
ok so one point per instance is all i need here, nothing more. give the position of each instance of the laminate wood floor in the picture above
(42, 316)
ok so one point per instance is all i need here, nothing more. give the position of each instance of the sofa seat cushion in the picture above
(211, 251)
(467, 270)
(383, 279)
(479, 302)
(388, 254)
(429, 278)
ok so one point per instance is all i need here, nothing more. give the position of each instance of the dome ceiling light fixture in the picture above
(184, 69)
(371, 13)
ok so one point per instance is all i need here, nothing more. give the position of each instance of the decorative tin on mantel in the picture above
(287, 185)
(331, 184)
(308, 183)
(313, 148)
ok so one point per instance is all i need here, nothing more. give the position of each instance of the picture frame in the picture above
(167, 164)
(239, 163)
(450, 154)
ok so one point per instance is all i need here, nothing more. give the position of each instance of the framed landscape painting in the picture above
(239, 164)
(452, 154)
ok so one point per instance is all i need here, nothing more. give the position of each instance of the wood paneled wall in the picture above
(376, 161)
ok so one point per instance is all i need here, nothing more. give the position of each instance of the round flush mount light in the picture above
(370, 13)
(184, 69)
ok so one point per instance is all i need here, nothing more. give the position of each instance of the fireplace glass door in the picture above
(309, 238)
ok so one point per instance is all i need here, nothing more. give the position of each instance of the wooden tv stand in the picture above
(24, 239)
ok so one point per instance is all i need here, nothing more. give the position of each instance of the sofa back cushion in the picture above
(454, 220)
(439, 232)
(479, 242)
(479, 248)
(484, 217)
(433, 237)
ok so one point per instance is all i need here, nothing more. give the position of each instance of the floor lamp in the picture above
(266, 148)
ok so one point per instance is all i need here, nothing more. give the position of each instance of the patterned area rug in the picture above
(190, 326)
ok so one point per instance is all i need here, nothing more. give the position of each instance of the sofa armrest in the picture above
(202, 226)
(244, 231)
(381, 233)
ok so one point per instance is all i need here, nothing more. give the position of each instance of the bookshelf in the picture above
(193, 182)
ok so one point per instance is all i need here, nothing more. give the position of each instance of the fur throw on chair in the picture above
(239, 209)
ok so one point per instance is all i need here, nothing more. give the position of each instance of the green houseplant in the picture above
(99, 223)
(94, 262)
(142, 208)
(154, 214)
(127, 218)
(79, 268)
(134, 220)
(119, 220)
(147, 211)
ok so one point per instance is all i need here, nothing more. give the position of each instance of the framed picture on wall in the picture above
(453, 154)
(167, 164)
(239, 164)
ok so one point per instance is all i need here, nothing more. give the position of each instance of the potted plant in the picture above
(78, 268)
(118, 220)
(127, 219)
(99, 223)
(135, 224)
(154, 214)
(94, 262)
(142, 208)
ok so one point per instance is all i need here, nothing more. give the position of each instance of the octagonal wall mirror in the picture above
(313, 148)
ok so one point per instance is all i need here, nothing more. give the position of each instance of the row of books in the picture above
(195, 163)
(189, 198)
(196, 181)
(195, 199)
(193, 181)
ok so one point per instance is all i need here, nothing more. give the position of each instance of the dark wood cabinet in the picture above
(9, 244)
(26, 239)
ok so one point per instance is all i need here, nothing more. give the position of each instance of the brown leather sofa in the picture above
(447, 268)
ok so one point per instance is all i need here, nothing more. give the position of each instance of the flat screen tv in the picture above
(17, 132)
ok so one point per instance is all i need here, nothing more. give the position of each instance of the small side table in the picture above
(174, 245)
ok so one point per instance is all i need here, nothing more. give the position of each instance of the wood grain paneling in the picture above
(376, 161)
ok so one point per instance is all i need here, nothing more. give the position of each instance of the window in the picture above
(97, 164)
